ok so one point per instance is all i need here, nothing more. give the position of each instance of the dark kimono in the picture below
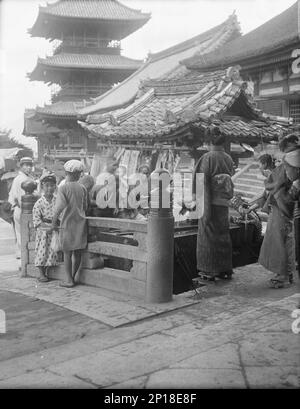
(214, 247)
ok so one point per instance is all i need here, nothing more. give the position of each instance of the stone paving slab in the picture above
(42, 379)
(165, 361)
(161, 354)
(197, 379)
(87, 301)
(115, 309)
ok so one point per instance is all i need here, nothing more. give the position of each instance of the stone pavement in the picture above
(234, 335)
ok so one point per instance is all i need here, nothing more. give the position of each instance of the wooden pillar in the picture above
(68, 141)
(27, 203)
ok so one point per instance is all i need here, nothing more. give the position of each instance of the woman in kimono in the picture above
(277, 253)
(42, 215)
(214, 247)
(281, 260)
(71, 203)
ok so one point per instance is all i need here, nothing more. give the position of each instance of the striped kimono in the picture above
(214, 248)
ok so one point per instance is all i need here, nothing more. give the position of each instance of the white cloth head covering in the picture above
(48, 176)
(293, 158)
(26, 160)
(73, 165)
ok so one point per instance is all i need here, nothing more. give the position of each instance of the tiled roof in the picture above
(61, 109)
(94, 9)
(110, 15)
(99, 61)
(161, 63)
(168, 108)
(33, 127)
(275, 34)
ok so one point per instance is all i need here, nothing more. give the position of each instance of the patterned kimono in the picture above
(43, 213)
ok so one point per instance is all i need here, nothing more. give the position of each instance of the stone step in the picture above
(107, 278)
(250, 182)
(245, 195)
(253, 171)
(255, 176)
(248, 188)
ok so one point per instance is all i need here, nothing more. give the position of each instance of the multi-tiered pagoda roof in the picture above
(44, 69)
(87, 58)
(116, 19)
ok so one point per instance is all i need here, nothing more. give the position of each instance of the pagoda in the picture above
(86, 62)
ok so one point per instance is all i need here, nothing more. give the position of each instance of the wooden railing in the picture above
(86, 42)
(78, 91)
(121, 243)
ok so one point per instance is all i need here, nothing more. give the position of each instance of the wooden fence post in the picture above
(160, 243)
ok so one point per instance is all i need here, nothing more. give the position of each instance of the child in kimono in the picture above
(42, 214)
(71, 204)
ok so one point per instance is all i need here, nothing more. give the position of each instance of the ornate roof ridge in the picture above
(230, 22)
(122, 114)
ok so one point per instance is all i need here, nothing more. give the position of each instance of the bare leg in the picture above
(42, 276)
(68, 266)
(17, 228)
(77, 262)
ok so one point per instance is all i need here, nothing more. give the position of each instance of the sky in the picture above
(172, 21)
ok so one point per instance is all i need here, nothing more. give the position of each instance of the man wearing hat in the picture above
(14, 198)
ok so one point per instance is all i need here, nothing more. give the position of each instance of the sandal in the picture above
(226, 275)
(66, 285)
(277, 283)
(206, 277)
(43, 279)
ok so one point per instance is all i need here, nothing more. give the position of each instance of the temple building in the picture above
(86, 62)
(173, 115)
(266, 56)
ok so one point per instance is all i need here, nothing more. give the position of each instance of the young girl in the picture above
(42, 215)
(71, 202)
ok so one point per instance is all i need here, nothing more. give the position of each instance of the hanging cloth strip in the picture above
(96, 166)
(133, 163)
(125, 159)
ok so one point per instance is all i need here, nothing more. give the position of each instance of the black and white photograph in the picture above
(149, 197)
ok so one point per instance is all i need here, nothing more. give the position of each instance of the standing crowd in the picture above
(59, 215)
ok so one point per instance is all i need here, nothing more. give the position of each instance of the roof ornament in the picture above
(233, 73)
(188, 115)
(170, 117)
(113, 120)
